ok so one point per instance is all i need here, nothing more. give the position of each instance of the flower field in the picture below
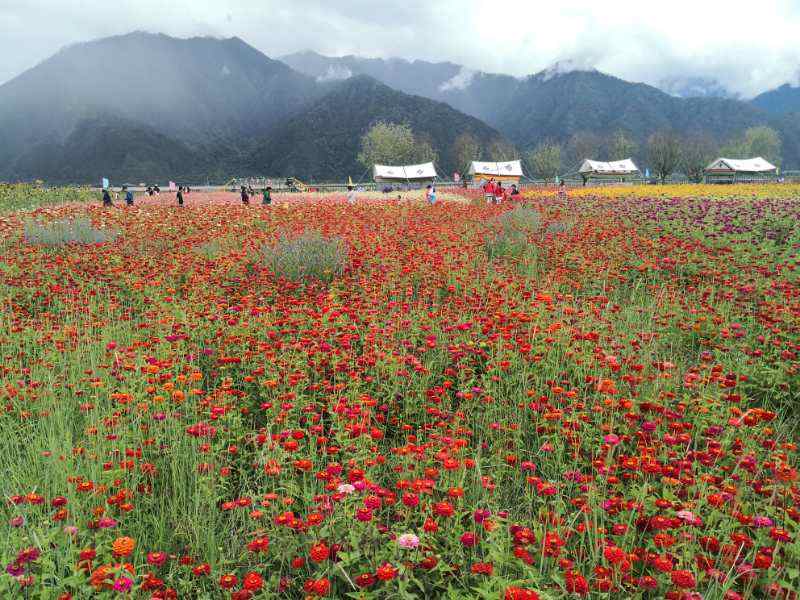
(592, 396)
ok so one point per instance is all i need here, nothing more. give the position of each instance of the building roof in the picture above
(748, 165)
(406, 172)
(618, 167)
(511, 168)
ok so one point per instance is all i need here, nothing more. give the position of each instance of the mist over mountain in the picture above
(547, 106)
(695, 87)
(323, 141)
(782, 100)
(473, 92)
(147, 106)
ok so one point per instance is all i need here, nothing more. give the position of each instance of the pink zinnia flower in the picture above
(123, 584)
(408, 541)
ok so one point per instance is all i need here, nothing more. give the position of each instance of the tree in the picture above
(583, 145)
(760, 141)
(500, 150)
(545, 160)
(465, 150)
(664, 151)
(698, 152)
(387, 144)
(423, 149)
(621, 145)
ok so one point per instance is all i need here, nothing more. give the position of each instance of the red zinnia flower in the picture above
(683, 579)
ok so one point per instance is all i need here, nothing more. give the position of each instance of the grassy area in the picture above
(578, 397)
(23, 196)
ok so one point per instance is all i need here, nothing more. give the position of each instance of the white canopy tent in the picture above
(748, 165)
(404, 174)
(510, 171)
(618, 168)
(728, 170)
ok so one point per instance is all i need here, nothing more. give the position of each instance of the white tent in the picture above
(402, 174)
(618, 168)
(749, 165)
(501, 171)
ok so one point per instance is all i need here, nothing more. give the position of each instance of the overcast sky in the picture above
(748, 46)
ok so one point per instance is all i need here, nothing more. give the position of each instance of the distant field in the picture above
(585, 396)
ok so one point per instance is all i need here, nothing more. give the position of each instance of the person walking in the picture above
(499, 193)
(128, 196)
(266, 198)
(351, 194)
(107, 198)
(245, 196)
(180, 196)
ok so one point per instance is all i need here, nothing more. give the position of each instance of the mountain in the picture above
(192, 90)
(115, 147)
(475, 93)
(694, 87)
(782, 100)
(323, 141)
(558, 106)
(150, 107)
(565, 99)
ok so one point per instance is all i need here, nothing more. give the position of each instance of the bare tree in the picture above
(664, 151)
(545, 160)
(501, 150)
(698, 152)
(583, 145)
(465, 150)
(621, 145)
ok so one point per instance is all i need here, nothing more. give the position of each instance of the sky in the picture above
(747, 46)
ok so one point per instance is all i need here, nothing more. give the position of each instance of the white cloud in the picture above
(459, 81)
(748, 49)
(335, 73)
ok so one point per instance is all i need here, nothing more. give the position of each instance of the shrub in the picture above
(515, 227)
(310, 255)
(521, 219)
(67, 231)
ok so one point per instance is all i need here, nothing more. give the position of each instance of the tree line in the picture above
(664, 152)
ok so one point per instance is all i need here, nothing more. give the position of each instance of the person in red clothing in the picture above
(488, 191)
(499, 193)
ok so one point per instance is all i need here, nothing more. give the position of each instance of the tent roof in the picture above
(626, 166)
(410, 172)
(511, 168)
(749, 165)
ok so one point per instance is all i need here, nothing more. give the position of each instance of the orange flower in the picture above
(123, 546)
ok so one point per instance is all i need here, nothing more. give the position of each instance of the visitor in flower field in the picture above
(430, 194)
(107, 198)
(156, 190)
(150, 191)
(245, 196)
(499, 193)
(128, 195)
(266, 196)
(488, 190)
(351, 194)
(180, 196)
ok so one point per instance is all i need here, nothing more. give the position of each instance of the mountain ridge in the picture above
(218, 106)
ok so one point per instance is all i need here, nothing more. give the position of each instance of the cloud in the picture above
(335, 73)
(747, 49)
(459, 81)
